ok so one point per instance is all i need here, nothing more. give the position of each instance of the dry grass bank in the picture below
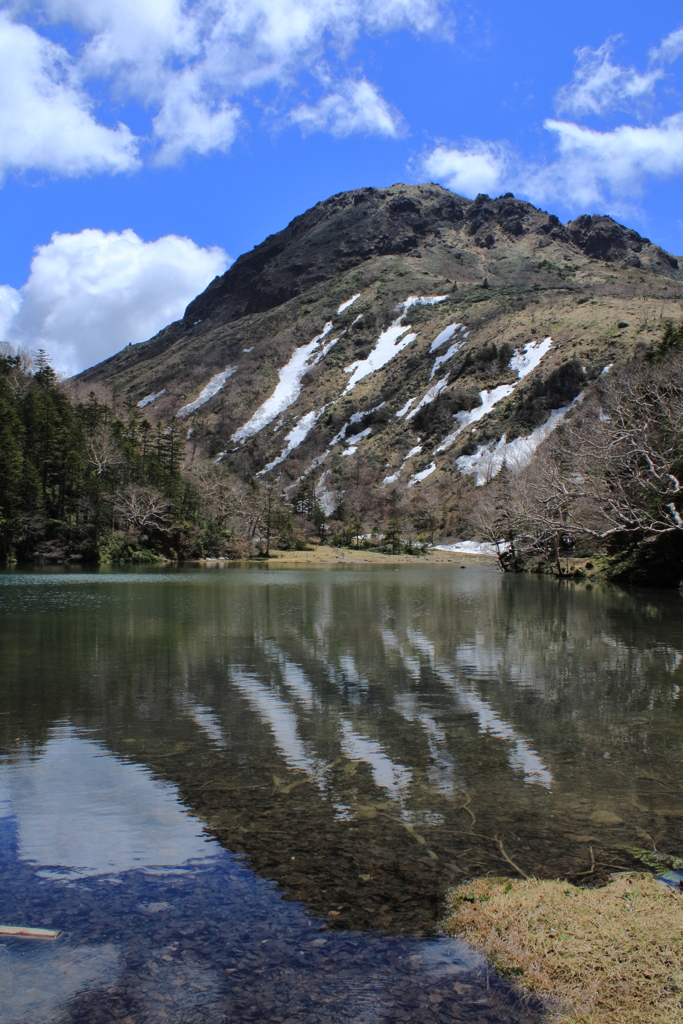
(324, 555)
(612, 955)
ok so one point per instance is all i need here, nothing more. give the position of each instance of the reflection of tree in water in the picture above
(365, 736)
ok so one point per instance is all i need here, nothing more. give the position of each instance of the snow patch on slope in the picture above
(473, 547)
(433, 393)
(349, 302)
(401, 412)
(489, 459)
(211, 389)
(526, 361)
(394, 477)
(298, 434)
(287, 389)
(422, 475)
(356, 437)
(390, 342)
(446, 356)
(523, 362)
(445, 335)
(148, 399)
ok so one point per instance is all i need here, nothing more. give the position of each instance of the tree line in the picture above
(81, 480)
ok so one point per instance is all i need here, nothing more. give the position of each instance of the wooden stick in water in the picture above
(29, 933)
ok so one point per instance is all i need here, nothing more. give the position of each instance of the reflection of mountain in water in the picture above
(365, 735)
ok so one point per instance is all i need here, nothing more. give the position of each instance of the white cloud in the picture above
(592, 168)
(90, 294)
(10, 300)
(670, 48)
(45, 118)
(478, 167)
(187, 123)
(189, 65)
(356, 106)
(599, 85)
(598, 166)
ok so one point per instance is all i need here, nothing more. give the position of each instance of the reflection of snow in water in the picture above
(88, 813)
(293, 677)
(282, 721)
(441, 767)
(412, 665)
(387, 774)
(351, 673)
(522, 755)
(205, 719)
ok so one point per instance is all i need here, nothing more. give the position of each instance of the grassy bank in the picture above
(324, 555)
(610, 955)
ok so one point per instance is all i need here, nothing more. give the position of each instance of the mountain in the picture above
(404, 333)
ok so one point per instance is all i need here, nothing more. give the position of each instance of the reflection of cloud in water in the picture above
(82, 809)
(282, 722)
(38, 979)
(387, 773)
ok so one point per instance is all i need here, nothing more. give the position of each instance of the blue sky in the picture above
(160, 140)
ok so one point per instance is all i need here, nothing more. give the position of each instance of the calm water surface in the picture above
(242, 793)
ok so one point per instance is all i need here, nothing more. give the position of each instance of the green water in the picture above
(356, 739)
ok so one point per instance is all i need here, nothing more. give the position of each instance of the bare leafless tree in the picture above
(143, 508)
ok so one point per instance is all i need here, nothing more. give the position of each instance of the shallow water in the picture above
(242, 793)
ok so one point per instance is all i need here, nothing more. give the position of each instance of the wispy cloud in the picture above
(670, 48)
(354, 106)
(599, 85)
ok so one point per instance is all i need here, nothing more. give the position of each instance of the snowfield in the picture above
(489, 459)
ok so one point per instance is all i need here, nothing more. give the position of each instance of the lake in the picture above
(241, 793)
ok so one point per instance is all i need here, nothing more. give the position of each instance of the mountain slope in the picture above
(405, 334)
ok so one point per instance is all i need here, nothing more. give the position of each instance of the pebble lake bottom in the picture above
(241, 794)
